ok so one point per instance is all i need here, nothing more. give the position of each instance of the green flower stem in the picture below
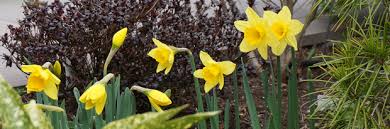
(47, 65)
(202, 124)
(50, 108)
(113, 50)
(139, 89)
(106, 78)
(279, 79)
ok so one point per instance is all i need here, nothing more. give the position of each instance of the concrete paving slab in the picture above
(10, 11)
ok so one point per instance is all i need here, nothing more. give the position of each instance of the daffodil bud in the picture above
(156, 98)
(57, 68)
(119, 37)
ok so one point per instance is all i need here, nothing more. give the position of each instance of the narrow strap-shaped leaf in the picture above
(64, 119)
(236, 103)
(215, 108)
(293, 109)
(99, 122)
(312, 99)
(255, 123)
(199, 99)
(226, 115)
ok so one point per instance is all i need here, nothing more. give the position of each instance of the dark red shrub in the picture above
(79, 34)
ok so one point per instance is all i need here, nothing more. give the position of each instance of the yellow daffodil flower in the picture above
(95, 96)
(41, 79)
(213, 71)
(284, 28)
(164, 55)
(119, 38)
(256, 35)
(157, 99)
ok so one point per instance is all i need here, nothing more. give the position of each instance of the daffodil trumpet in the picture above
(156, 98)
(96, 95)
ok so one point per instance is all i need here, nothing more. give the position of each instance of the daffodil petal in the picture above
(263, 50)
(88, 105)
(98, 91)
(245, 46)
(158, 43)
(168, 69)
(155, 106)
(269, 15)
(279, 49)
(171, 60)
(292, 41)
(252, 15)
(31, 68)
(160, 67)
(51, 91)
(159, 97)
(285, 13)
(209, 85)
(45, 74)
(100, 105)
(153, 53)
(227, 67)
(295, 27)
(221, 82)
(83, 97)
(198, 73)
(206, 58)
(54, 79)
(241, 25)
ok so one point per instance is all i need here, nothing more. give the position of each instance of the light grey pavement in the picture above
(10, 11)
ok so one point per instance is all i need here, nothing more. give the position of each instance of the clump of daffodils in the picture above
(274, 30)
(213, 72)
(156, 98)
(41, 79)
